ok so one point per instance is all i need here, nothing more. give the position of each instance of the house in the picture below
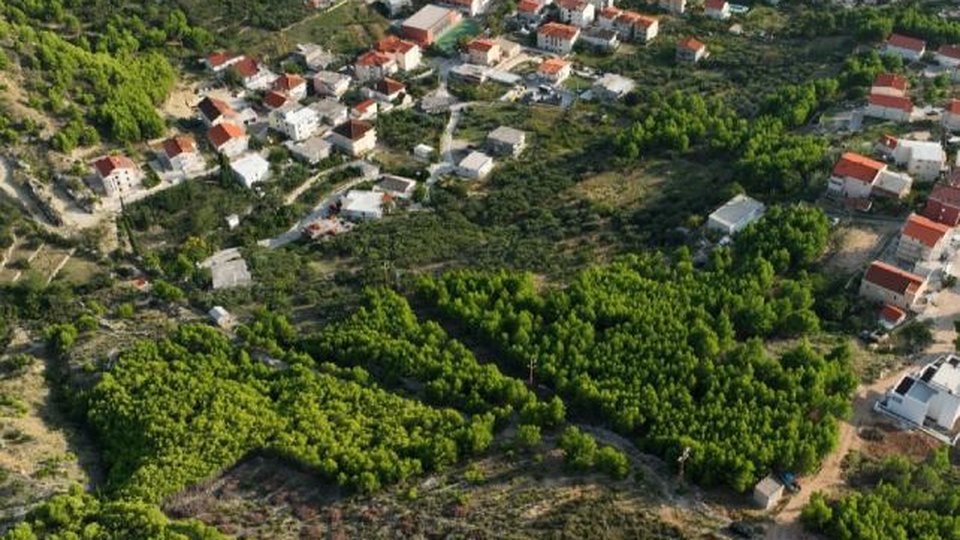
(397, 187)
(424, 152)
(228, 139)
(673, 6)
(220, 61)
(482, 51)
(312, 151)
(313, 56)
(612, 87)
(717, 9)
(117, 174)
(475, 166)
(898, 109)
(557, 37)
(768, 492)
(948, 55)
(361, 205)
(296, 122)
(331, 83)
(931, 396)
(891, 317)
(228, 269)
(253, 75)
(908, 48)
(387, 90)
(373, 65)
(250, 169)
(922, 239)
(470, 73)
(943, 205)
(426, 25)
(529, 10)
(471, 7)
(331, 111)
(630, 25)
(212, 111)
(859, 177)
(554, 70)
(273, 100)
(396, 7)
(889, 84)
(506, 141)
(221, 317)
(579, 13)
(925, 160)
(354, 137)
(600, 39)
(888, 284)
(180, 154)
(691, 50)
(735, 215)
(406, 54)
(365, 110)
(291, 85)
(951, 115)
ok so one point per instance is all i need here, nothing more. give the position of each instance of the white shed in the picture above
(768, 492)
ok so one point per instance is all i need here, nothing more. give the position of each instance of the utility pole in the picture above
(682, 460)
(531, 365)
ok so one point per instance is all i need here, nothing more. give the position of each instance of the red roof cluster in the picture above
(247, 67)
(393, 45)
(892, 278)
(715, 4)
(558, 30)
(224, 132)
(852, 165)
(891, 80)
(552, 66)
(906, 42)
(572, 5)
(288, 82)
(108, 164)
(924, 230)
(275, 100)
(636, 19)
(481, 44)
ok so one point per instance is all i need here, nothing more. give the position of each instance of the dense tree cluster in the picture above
(897, 500)
(79, 515)
(790, 237)
(172, 412)
(655, 349)
(405, 128)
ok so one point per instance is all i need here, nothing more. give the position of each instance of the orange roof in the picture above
(213, 108)
(926, 231)
(559, 31)
(364, 105)
(715, 4)
(181, 144)
(393, 44)
(373, 58)
(691, 44)
(481, 44)
(274, 99)
(610, 12)
(247, 67)
(528, 6)
(217, 59)
(108, 164)
(224, 132)
(389, 86)
(288, 82)
(552, 66)
(891, 80)
(353, 129)
(953, 106)
(906, 42)
(951, 51)
(892, 314)
(891, 102)
(858, 167)
(572, 5)
(892, 278)
(636, 19)
(889, 141)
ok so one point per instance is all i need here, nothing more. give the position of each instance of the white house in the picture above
(951, 115)
(354, 137)
(554, 70)
(221, 317)
(859, 177)
(331, 83)
(922, 239)
(219, 61)
(735, 215)
(292, 85)
(313, 56)
(180, 154)
(228, 139)
(557, 37)
(925, 160)
(948, 55)
(475, 166)
(253, 75)
(932, 395)
(387, 90)
(373, 65)
(331, 111)
(898, 109)
(424, 152)
(629, 24)
(506, 141)
(397, 187)
(579, 13)
(118, 174)
(673, 6)
(296, 122)
(361, 205)
(250, 169)
(717, 9)
(691, 50)
(886, 284)
(406, 54)
(313, 150)
(483, 51)
(600, 38)
(366, 109)
(908, 48)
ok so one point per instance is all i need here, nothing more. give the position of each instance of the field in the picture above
(447, 43)
(347, 30)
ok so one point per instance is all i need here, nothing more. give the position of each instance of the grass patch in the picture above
(346, 30)
(618, 189)
(447, 43)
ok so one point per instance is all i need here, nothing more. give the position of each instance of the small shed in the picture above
(768, 492)
(221, 317)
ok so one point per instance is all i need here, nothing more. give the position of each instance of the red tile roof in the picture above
(481, 44)
(892, 314)
(528, 6)
(636, 19)
(572, 5)
(891, 102)
(559, 31)
(213, 108)
(364, 105)
(288, 82)
(691, 44)
(950, 51)
(247, 67)
(353, 129)
(181, 144)
(389, 86)
(218, 59)
(892, 278)
(715, 4)
(953, 106)
(925, 231)
(858, 167)
(373, 58)
(108, 164)
(393, 44)
(891, 80)
(274, 99)
(889, 141)
(552, 66)
(223, 132)
(610, 12)
(943, 204)
(906, 42)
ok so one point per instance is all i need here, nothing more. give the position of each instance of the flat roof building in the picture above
(426, 25)
(735, 215)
